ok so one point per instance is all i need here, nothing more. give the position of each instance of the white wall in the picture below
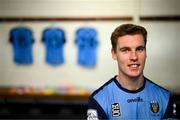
(163, 53)
(66, 7)
(163, 59)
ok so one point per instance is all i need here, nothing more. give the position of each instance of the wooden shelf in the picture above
(45, 19)
(167, 18)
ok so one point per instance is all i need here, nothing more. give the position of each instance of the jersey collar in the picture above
(126, 90)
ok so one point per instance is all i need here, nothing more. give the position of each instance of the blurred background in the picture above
(42, 90)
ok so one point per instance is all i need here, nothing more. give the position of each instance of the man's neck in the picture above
(131, 83)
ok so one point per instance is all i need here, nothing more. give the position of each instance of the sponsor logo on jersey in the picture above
(154, 106)
(92, 114)
(138, 99)
(115, 109)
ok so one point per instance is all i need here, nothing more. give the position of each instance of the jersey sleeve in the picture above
(95, 111)
(171, 111)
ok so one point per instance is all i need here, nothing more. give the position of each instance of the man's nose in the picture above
(133, 56)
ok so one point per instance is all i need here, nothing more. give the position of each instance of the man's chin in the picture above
(135, 75)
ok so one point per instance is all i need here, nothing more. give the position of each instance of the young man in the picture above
(130, 95)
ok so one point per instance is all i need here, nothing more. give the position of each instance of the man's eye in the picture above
(140, 49)
(124, 50)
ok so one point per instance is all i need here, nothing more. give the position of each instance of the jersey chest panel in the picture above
(149, 103)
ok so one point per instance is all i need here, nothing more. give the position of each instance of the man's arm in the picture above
(95, 111)
(171, 110)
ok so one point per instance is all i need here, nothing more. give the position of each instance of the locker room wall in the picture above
(163, 58)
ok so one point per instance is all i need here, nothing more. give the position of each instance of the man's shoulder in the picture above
(104, 88)
(156, 87)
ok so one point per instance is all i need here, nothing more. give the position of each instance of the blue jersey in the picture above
(112, 101)
(86, 40)
(54, 39)
(22, 40)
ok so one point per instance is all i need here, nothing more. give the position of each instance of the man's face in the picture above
(130, 55)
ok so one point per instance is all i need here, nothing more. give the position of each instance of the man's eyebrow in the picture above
(125, 47)
(141, 46)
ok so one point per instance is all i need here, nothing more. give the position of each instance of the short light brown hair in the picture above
(127, 29)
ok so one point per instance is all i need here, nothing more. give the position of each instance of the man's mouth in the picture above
(133, 65)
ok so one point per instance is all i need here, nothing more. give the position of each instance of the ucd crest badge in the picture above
(154, 106)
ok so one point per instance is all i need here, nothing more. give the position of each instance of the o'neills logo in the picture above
(138, 99)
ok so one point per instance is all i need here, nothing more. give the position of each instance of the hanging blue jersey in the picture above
(86, 40)
(54, 39)
(22, 40)
(113, 102)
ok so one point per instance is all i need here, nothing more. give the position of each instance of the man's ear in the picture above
(113, 53)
